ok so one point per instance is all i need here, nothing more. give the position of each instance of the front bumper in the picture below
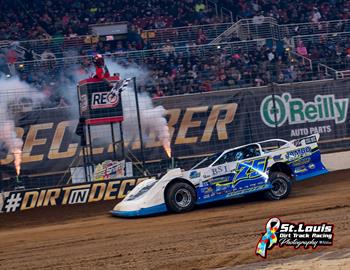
(157, 209)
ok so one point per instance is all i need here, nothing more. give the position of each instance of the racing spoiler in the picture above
(306, 140)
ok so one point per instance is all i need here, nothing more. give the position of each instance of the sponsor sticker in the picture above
(282, 234)
(298, 153)
(195, 174)
(109, 169)
(102, 100)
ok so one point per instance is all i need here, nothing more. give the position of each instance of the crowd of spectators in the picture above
(333, 51)
(185, 73)
(170, 72)
(173, 72)
(286, 12)
(37, 19)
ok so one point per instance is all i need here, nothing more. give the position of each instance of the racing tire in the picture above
(180, 197)
(281, 186)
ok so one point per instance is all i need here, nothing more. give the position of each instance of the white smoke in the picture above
(152, 118)
(15, 95)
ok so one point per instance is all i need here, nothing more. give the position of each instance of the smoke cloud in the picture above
(152, 118)
(15, 95)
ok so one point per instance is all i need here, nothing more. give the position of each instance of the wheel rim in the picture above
(279, 187)
(183, 197)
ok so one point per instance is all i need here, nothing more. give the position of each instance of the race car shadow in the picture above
(250, 198)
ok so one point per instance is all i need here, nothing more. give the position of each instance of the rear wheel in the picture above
(180, 197)
(281, 186)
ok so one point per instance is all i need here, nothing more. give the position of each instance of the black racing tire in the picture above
(180, 197)
(281, 186)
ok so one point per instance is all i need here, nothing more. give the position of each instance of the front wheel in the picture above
(281, 186)
(180, 197)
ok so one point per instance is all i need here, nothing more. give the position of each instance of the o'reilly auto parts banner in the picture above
(306, 108)
(200, 124)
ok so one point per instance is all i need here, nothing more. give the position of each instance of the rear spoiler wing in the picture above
(306, 140)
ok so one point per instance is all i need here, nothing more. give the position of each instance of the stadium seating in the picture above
(297, 42)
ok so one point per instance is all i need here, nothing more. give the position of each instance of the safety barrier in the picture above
(199, 124)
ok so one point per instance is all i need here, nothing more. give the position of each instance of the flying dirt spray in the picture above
(14, 94)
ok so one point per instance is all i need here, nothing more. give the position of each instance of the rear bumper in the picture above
(157, 209)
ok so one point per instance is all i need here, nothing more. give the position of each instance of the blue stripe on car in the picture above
(161, 208)
(311, 174)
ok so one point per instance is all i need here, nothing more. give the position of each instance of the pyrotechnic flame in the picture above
(167, 149)
(17, 153)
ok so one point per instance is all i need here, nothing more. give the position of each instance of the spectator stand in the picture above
(180, 36)
(249, 29)
(246, 29)
(171, 66)
(188, 69)
(329, 52)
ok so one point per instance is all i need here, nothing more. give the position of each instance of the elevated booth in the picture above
(98, 105)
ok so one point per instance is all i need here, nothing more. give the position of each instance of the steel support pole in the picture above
(139, 126)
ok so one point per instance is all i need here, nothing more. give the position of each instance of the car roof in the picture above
(257, 143)
(284, 142)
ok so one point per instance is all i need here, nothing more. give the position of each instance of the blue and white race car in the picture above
(268, 166)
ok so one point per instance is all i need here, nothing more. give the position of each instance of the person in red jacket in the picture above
(101, 70)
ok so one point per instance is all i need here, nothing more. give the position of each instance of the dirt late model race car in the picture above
(268, 166)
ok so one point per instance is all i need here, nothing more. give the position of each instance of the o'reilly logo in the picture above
(102, 100)
(297, 111)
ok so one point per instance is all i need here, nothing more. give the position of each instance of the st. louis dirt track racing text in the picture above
(268, 166)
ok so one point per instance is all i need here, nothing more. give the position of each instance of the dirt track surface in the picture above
(338, 259)
(216, 236)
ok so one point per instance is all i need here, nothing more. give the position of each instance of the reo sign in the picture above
(102, 100)
(277, 110)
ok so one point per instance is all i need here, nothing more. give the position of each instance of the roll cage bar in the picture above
(283, 143)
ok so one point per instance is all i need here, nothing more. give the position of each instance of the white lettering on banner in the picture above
(13, 202)
(298, 132)
(277, 110)
(79, 196)
(74, 194)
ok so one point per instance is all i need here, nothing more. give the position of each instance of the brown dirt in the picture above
(219, 235)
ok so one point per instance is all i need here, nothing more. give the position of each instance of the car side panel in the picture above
(308, 164)
(303, 158)
(235, 179)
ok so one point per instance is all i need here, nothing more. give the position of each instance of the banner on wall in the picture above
(83, 193)
(110, 169)
(200, 124)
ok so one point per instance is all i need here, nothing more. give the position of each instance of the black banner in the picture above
(199, 124)
(84, 193)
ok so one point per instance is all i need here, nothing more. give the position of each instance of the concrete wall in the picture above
(336, 161)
